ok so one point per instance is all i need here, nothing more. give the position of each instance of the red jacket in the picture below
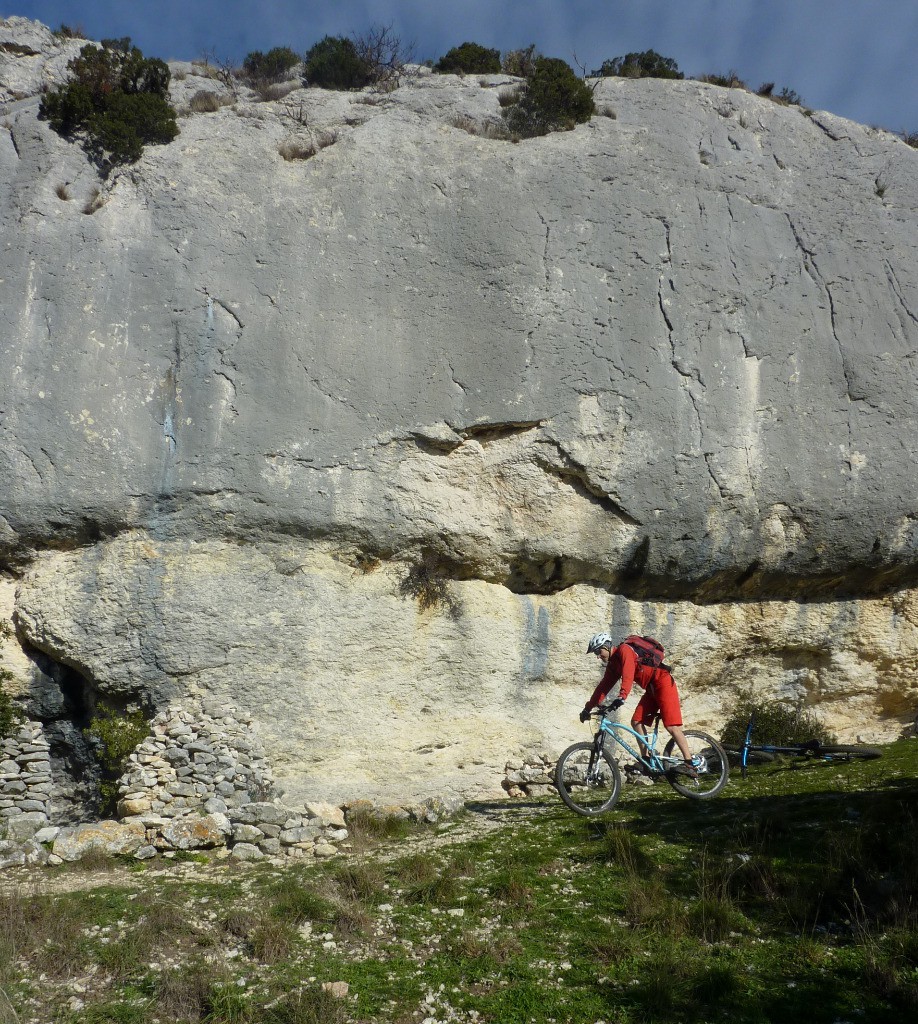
(623, 664)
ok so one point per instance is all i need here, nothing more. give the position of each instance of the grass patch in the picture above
(791, 897)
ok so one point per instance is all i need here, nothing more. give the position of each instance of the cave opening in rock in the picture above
(68, 703)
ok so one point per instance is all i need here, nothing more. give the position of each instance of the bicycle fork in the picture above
(596, 758)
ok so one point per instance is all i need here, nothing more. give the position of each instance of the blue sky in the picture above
(856, 58)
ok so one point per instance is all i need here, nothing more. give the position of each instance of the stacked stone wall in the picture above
(201, 755)
(199, 781)
(25, 782)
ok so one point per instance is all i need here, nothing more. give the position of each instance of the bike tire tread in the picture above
(587, 812)
(843, 750)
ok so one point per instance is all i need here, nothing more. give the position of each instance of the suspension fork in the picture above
(596, 755)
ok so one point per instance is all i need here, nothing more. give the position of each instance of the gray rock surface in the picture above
(393, 427)
(109, 837)
(626, 327)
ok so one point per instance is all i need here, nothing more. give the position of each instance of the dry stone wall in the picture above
(25, 782)
(201, 755)
(200, 781)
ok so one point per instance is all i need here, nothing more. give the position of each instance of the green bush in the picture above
(910, 139)
(554, 99)
(469, 58)
(648, 64)
(271, 66)
(777, 722)
(116, 98)
(112, 736)
(334, 63)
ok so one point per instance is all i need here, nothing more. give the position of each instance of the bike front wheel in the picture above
(710, 759)
(843, 753)
(587, 780)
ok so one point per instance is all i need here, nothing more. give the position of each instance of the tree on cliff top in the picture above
(115, 98)
(375, 57)
(553, 99)
(470, 59)
(648, 64)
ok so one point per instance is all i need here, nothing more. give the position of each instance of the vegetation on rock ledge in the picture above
(115, 99)
(114, 736)
(553, 99)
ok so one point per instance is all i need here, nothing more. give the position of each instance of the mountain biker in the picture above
(660, 693)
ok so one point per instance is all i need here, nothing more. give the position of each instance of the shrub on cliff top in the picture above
(786, 97)
(376, 57)
(334, 63)
(553, 99)
(648, 64)
(271, 66)
(116, 99)
(470, 59)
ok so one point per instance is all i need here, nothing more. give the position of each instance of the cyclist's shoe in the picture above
(686, 769)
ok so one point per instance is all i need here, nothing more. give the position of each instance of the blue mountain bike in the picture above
(749, 753)
(589, 780)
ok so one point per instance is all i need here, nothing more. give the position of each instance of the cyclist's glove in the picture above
(585, 714)
(613, 705)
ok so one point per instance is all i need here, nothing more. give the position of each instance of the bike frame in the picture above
(811, 747)
(657, 763)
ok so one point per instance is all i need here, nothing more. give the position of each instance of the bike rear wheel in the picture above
(713, 769)
(588, 782)
(844, 753)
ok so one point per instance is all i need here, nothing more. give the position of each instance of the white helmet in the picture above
(599, 640)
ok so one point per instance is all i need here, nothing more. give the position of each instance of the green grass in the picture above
(791, 897)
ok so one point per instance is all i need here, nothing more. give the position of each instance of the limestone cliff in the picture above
(395, 427)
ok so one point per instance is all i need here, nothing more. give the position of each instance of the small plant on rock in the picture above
(469, 59)
(427, 582)
(115, 101)
(205, 101)
(385, 53)
(786, 97)
(554, 99)
(64, 31)
(114, 735)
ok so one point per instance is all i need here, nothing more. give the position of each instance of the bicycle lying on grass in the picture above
(589, 780)
(747, 753)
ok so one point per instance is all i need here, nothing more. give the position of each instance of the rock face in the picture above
(368, 443)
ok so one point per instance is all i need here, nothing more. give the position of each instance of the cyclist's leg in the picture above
(643, 716)
(671, 712)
